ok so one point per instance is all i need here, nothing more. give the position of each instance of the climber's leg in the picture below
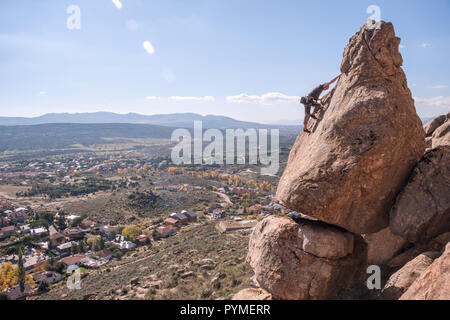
(307, 116)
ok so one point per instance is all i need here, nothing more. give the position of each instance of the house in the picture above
(7, 232)
(24, 229)
(57, 239)
(38, 232)
(166, 231)
(143, 239)
(52, 230)
(108, 232)
(73, 260)
(34, 261)
(64, 249)
(105, 254)
(191, 215)
(91, 262)
(255, 208)
(17, 216)
(180, 217)
(126, 245)
(119, 239)
(217, 214)
(74, 233)
(50, 277)
(71, 218)
(172, 222)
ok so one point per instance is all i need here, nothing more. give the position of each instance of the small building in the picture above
(38, 232)
(143, 239)
(17, 216)
(73, 260)
(126, 245)
(57, 239)
(50, 277)
(71, 218)
(191, 215)
(34, 261)
(172, 222)
(180, 217)
(105, 254)
(64, 249)
(255, 208)
(108, 232)
(74, 233)
(166, 231)
(7, 232)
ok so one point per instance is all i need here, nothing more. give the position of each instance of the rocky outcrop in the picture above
(382, 246)
(441, 136)
(401, 280)
(363, 174)
(350, 169)
(422, 209)
(434, 282)
(432, 125)
(300, 261)
(252, 294)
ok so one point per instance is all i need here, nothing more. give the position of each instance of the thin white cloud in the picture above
(267, 98)
(439, 101)
(148, 47)
(152, 98)
(438, 86)
(424, 45)
(117, 3)
(178, 98)
(43, 93)
(168, 75)
(132, 25)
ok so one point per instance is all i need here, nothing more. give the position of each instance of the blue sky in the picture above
(248, 59)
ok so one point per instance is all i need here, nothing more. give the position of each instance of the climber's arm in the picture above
(327, 85)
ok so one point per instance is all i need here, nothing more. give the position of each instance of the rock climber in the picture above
(312, 100)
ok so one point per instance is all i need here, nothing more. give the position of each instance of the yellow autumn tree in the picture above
(131, 232)
(9, 276)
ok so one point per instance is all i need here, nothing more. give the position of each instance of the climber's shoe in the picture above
(314, 117)
(306, 130)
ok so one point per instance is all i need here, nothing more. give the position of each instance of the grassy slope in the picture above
(201, 250)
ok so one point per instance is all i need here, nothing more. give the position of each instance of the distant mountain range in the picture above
(183, 120)
(175, 120)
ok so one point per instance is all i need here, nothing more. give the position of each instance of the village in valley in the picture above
(91, 213)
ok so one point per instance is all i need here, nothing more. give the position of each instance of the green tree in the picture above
(74, 248)
(21, 272)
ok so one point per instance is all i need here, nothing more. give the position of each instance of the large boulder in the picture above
(434, 282)
(441, 136)
(304, 260)
(422, 209)
(401, 280)
(432, 125)
(382, 246)
(350, 169)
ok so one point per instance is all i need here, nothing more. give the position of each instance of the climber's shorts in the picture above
(308, 110)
